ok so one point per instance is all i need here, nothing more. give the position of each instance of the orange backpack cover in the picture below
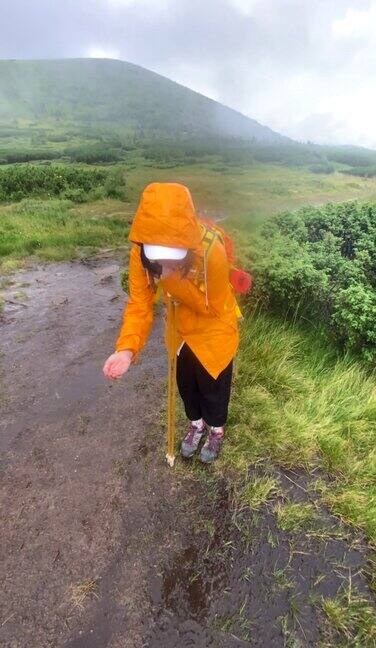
(240, 280)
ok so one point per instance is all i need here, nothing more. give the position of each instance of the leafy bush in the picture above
(19, 181)
(12, 157)
(220, 168)
(166, 155)
(362, 171)
(57, 138)
(233, 152)
(115, 183)
(355, 156)
(75, 194)
(322, 168)
(93, 154)
(237, 157)
(291, 154)
(320, 263)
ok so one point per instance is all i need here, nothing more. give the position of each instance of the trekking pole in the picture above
(171, 398)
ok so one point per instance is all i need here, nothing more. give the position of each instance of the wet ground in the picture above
(102, 545)
(245, 582)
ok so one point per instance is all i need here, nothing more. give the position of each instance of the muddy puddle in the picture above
(103, 546)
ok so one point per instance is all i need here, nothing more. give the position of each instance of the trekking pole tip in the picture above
(170, 460)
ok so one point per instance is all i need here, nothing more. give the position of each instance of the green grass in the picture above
(351, 620)
(54, 230)
(299, 405)
(237, 624)
(249, 194)
(282, 580)
(257, 491)
(296, 517)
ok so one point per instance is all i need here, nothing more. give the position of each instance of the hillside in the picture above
(116, 94)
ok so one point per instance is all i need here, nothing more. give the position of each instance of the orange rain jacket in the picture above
(206, 317)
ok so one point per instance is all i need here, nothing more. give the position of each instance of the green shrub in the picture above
(75, 194)
(220, 168)
(322, 168)
(115, 184)
(354, 318)
(362, 171)
(19, 181)
(237, 157)
(320, 264)
(57, 138)
(94, 154)
(354, 156)
(12, 157)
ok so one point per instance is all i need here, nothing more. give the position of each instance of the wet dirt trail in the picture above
(86, 502)
(102, 545)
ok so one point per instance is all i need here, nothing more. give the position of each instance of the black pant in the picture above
(203, 396)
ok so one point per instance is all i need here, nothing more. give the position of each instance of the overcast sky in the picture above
(306, 68)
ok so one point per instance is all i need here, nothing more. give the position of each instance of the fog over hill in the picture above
(114, 93)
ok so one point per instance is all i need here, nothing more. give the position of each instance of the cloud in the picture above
(102, 52)
(245, 6)
(355, 24)
(305, 69)
(319, 125)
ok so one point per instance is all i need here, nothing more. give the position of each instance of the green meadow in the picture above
(249, 194)
(63, 227)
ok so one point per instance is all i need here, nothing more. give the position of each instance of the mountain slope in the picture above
(116, 94)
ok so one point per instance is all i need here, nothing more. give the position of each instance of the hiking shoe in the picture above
(191, 441)
(212, 446)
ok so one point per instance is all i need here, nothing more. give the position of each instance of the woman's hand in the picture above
(117, 364)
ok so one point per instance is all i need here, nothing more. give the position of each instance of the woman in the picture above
(173, 251)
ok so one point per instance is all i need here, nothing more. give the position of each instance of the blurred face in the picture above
(170, 264)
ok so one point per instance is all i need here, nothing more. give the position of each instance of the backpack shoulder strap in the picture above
(208, 237)
(210, 234)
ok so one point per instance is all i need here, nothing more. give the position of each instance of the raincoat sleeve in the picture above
(138, 311)
(187, 293)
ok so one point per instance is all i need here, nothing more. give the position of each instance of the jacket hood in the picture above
(166, 216)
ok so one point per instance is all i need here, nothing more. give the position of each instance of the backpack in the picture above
(240, 280)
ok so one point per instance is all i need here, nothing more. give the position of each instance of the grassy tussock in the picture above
(297, 404)
(257, 491)
(296, 517)
(351, 616)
